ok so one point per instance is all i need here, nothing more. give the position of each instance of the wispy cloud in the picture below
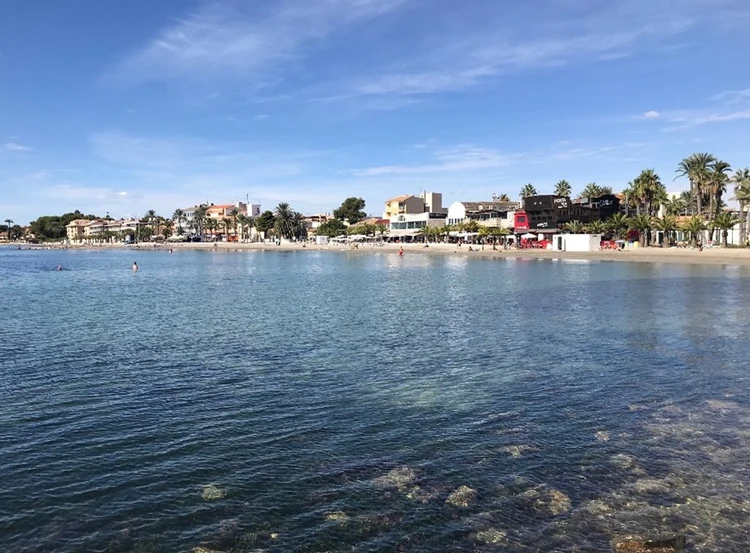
(239, 39)
(696, 119)
(261, 117)
(733, 96)
(554, 34)
(456, 159)
(14, 147)
(650, 115)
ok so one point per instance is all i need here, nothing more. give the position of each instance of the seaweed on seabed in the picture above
(674, 544)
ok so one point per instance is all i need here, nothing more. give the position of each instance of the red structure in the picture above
(520, 221)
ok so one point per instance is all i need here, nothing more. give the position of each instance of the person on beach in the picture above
(135, 267)
(401, 251)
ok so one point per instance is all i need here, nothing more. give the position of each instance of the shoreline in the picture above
(709, 256)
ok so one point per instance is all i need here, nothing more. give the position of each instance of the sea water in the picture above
(330, 401)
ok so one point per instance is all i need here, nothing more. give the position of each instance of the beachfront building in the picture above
(313, 222)
(490, 214)
(403, 205)
(408, 215)
(218, 213)
(86, 230)
(76, 229)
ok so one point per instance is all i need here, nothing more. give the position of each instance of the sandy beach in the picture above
(709, 256)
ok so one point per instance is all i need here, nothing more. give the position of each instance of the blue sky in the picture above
(129, 106)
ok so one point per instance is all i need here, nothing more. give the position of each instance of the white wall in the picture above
(576, 242)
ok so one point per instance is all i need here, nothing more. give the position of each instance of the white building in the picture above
(488, 214)
(408, 215)
(576, 242)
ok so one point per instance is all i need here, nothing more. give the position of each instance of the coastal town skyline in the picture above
(163, 106)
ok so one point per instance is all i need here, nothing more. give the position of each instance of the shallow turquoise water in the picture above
(336, 400)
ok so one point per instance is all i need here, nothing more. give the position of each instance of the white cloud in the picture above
(733, 96)
(14, 147)
(651, 115)
(459, 158)
(261, 117)
(226, 38)
(696, 119)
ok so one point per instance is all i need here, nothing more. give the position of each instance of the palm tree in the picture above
(426, 232)
(725, 222)
(227, 222)
(592, 190)
(562, 188)
(648, 191)
(200, 218)
(167, 228)
(605, 190)
(299, 227)
(244, 222)
(284, 219)
(641, 223)
(381, 229)
(694, 227)
(668, 225)
(234, 213)
(696, 169)
(741, 179)
(574, 227)
(471, 226)
(500, 198)
(618, 224)
(717, 185)
(9, 222)
(179, 217)
(211, 225)
(674, 206)
(596, 227)
(528, 190)
(499, 232)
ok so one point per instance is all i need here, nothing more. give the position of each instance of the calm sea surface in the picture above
(315, 401)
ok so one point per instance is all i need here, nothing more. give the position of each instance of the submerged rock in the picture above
(518, 450)
(400, 478)
(602, 436)
(491, 536)
(201, 549)
(416, 493)
(623, 461)
(338, 516)
(211, 492)
(597, 507)
(722, 405)
(557, 502)
(637, 545)
(462, 496)
(651, 485)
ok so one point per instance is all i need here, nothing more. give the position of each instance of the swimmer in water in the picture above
(59, 268)
(401, 251)
(135, 267)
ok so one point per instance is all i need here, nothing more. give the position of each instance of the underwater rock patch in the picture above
(602, 436)
(400, 478)
(651, 485)
(462, 496)
(623, 461)
(722, 405)
(517, 450)
(212, 492)
(201, 549)
(636, 545)
(338, 516)
(490, 536)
